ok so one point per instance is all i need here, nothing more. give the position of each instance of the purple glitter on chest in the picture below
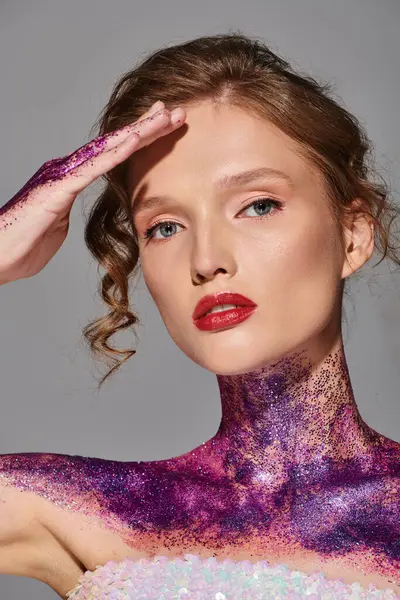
(278, 451)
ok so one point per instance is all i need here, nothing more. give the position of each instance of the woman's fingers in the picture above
(97, 162)
(101, 143)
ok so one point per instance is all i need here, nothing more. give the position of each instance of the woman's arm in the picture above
(22, 536)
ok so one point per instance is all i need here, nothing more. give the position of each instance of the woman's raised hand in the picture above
(34, 223)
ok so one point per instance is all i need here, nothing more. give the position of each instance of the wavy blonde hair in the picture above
(239, 71)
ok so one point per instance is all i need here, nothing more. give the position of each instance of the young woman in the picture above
(245, 193)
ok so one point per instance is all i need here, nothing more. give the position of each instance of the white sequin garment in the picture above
(194, 578)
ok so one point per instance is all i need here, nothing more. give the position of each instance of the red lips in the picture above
(208, 302)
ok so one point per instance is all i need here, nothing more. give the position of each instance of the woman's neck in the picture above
(293, 416)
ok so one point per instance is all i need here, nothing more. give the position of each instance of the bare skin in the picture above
(293, 474)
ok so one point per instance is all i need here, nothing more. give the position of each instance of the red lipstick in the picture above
(244, 307)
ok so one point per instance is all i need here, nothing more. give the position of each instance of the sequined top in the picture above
(193, 578)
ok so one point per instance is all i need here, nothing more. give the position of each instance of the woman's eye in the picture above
(149, 232)
(261, 205)
(262, 202)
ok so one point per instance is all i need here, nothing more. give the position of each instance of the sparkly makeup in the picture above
(292, 467)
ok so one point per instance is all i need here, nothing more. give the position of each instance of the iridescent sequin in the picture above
(194, 578)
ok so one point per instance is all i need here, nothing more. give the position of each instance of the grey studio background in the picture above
(58, 63)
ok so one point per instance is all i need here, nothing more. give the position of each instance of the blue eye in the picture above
(259, 202)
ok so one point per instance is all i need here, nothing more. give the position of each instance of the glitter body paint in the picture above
(52, 170)
(291, 467)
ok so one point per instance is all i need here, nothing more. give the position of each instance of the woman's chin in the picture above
(232, 365)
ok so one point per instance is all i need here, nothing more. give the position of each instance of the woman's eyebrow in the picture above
(142, 204)
(244, 177)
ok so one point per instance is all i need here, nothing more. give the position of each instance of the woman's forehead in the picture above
(215, 142)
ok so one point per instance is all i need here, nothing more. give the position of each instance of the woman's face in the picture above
(289, 261)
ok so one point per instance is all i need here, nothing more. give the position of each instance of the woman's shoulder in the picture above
(59, 494)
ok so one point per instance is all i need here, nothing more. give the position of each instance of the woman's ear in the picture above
(359, 238)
